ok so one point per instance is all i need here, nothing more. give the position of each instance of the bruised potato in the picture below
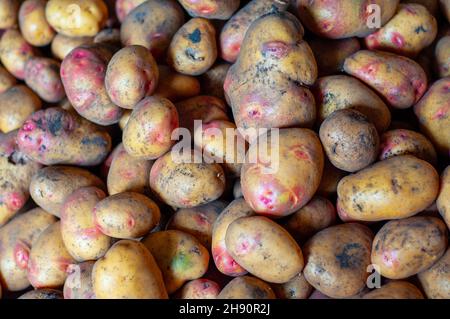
(436, 279)
(62, 45)
(78, 284)
(15, 52)
(210, 9)
(443, 200)
(396, 289)
(33, 24)
(246, 287)
(200, 289)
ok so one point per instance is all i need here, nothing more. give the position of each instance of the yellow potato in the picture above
(442, 56)
(6, 80)
(246, 287)
(44, 293)
(15, 52)
(395, 289)
(62, 45)
(8, 13)
(296, 288)
(199, 289)
(436, 279)
(443, 200)
(33, 24)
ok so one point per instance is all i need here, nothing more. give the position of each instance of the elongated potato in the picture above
(33, 23)
(246, 287)
(78, 284)
(443, 200)
(296, 288)
(395, 289)
(6, 80)
(210, 9)
(15, 52)
(175, 86)
(436, 279)
(395, 188)
(62, 45)
(8, 13)
(200, 289)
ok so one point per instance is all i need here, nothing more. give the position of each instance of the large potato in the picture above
(8, 13)
(246, 287)
(78, 284)
(210, 9)
(15, 52)
(62, 45)
(33, 24)
(436, 279)
(6, 80)
(443, 200)
(395, 289)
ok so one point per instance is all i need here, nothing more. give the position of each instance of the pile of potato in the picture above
(96, 203)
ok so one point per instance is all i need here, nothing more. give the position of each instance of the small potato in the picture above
(56, 136)
(16, 105)
(80, 233)
(443, 200)
(436, 279)
(442, 56)
(180, 182)
(409, 31)
(398, 187)
(51, 185)
(152, 24)
(284, 178)
(124, 7)
(83, 73)
(337, 258)
(433, 112)
(350, 140)
(200, 289)
(109, 36)
(210, 9)
(6, 80)
(175, 86)
(33, 24)
(296, 288)
(126, 215)
(338, 92)
(399, 80)
(62, 45)
(212, 80)
(193, 48)
(49, 259)
(318, 214)
(15, 52)
(42, 76)
(264, 249)
(16, 239)
(78, 284)
(180, 257)
(403, 248)
(330, 179)
(402, 142)
(44, 293)
(197, 221)
(132, 74)
(77, 18)
(148, 133)
(128, 270)
(395, 289)
(8, 13)
(246, 287)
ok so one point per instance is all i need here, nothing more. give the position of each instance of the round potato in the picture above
(78, 284)
(15, 52)
(210, 9)
(337, 259)
(436, 279)
(443, 200)
(246, 287)
(6, 80)
(62, 45)
(8, 13)
(296, 288)
(200, 289)
(212, 80)
(44, 293)
(33, 24)
(403, 248)
(442, 56)
(395, 289)
(124, 7)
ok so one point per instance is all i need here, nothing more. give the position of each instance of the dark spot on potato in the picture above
(351, 256)
(139, 17)
(192, 54)
(420, 29)
(395, 186)
(195, 250)
(259, 293)
(55, 124)
(195, 36)
(328, 97)
(98, 141)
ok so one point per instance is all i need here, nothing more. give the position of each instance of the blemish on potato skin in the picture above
(196, 36)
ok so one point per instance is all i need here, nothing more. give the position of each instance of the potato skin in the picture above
(350, 140)
(15, 52)
(246, 287)
(6, 80)
(180, 257)
(128, 270)
(77, 18)
(80, 233)
(408, 184)
(175, 86)
(148, 133)
(8, 13)
(442, 56)
(296, 288)
(330, 179)
(210, 9)
(443, 200)
(62, 45)
(200, 289)
(83, 73)
(433, 112)
(56, 136)
(264, 248)
(33, 24)
(436, 279)
(16, 105)
(152, 24)
(132, 74)
(124, 7)
(343, 253)
(403, 248)
(51, 185)
(395, 289)
(109, 36)
(78, 284)
(212, 80)
(290, 185)
(44, 293)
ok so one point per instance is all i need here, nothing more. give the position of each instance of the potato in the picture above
(148, 133)
(175, 86)
(264, 248)
(197, 221)
(336, 259)
(124, 119)
(318, 295)
(180, 182)
(246, 287)
(49, 259)
(339, 92)
(330, 179)
(109, 36)
(152, 24)
(33, 24)
(445, 5)
(403, 248)
(433, 113)
(343, 19)
(296, 288)
(62, 45)
(44, 293)
(16, 105)
(396, 188)
(126, 215)
(8, 13)
(401, 142)
(436, 279)
(128, 270)
(16, 171)
(395, 289)
(56, 136)
(443, 200)
(50, 186)
(77, 18)
(233, 32)
(442, 56)
(124, 7)
(237, 191)
(350, 140)
(6, 80)
(200, 289)
(409, 31)
(431, 5)
(78, 284)
(132, 74)
(179, 255)
(318, 214)
(15, 52)
(193, 49)
(210, 9)
(285, 179)
(331, 54)
(263, 87)
(212, 80)
(16, 239)
(83, 73)
(399, 80)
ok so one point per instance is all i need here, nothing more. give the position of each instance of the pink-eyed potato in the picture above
(175, 86)
(443, 200)
(246, 287)
(436, 279)
(43, 293)
(395, 289)
(78, 284)
(8, 13)
(199, 289)
(442, 56)
(210, 9)
(7, 80)
(296, 288)
(128, 270)
(124, 7)
(15, 52)
(33, 23)
(330, 179)
(62, 45)
(212, 80)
